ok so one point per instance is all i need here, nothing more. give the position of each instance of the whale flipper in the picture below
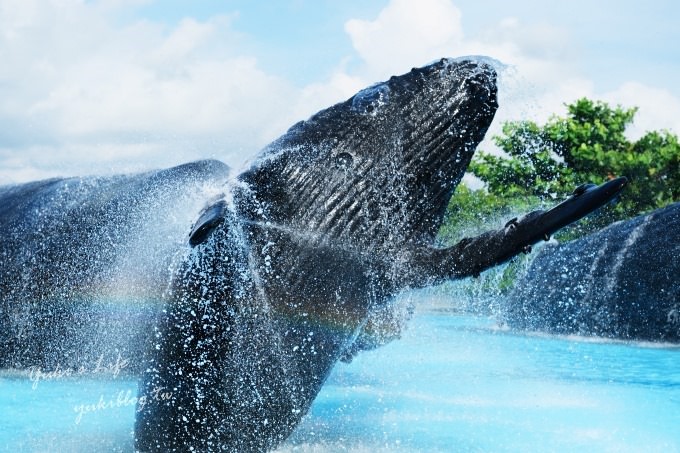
(210, 218)
(471, 256)
(585, 199)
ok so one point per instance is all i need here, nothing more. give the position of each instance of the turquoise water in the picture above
(452, 383)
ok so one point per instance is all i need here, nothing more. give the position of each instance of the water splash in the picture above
(620, 257)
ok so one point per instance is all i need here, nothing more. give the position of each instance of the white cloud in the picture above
(413, 32)
(406, 33)
(658, 108)
(317, 96)
(82, 90)
(78, 89)
(539, 76)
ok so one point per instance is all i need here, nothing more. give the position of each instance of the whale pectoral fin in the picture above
(210, 218)
(471, 256)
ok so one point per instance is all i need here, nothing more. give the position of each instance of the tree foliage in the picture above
(546, 162)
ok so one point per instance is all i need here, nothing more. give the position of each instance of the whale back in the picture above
(621, 282)
(86, 262)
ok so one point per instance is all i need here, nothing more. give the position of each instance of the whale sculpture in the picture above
(622, 282)
(233, 296)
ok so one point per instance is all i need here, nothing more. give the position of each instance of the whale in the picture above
(330, 222)
(85, 262)
(619, 283)
(230, 296)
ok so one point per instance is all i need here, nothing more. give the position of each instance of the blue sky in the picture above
(615, 41)
(124, 85)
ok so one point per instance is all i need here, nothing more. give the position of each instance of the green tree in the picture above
(545, 162)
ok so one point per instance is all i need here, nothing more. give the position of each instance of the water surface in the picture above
(452, 383)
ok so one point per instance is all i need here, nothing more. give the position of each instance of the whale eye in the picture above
(370, 100)
(344, 161)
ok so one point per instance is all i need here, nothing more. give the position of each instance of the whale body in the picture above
(329, 223)
(85, 262)
(621, 282)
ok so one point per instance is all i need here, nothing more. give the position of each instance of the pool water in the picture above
(452, 383)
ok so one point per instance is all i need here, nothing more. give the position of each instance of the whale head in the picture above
(378, 169)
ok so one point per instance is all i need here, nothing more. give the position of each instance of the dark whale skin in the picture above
(620, 283)
(85, 263)
(316, 237)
